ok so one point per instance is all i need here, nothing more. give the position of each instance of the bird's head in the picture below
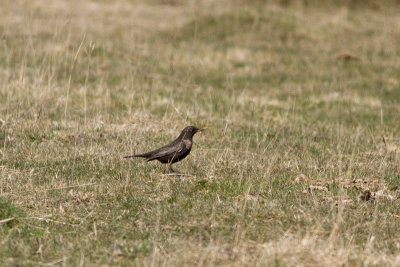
(189, 131)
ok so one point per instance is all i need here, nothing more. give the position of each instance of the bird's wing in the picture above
(168, 150)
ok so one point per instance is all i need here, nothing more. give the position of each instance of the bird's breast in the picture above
(187, 143)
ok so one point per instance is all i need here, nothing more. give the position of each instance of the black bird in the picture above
(176, 151)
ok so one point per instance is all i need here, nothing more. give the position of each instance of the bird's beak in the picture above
(200, 130)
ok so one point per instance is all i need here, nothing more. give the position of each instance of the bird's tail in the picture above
(136, 156)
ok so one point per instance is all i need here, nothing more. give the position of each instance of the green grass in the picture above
(294, 133)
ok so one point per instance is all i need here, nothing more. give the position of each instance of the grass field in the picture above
(301, 101)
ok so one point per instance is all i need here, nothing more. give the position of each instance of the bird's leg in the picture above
(169, 168)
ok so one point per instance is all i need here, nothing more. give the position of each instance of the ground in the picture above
(300, 100)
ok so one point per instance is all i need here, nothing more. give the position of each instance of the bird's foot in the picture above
(172, 172)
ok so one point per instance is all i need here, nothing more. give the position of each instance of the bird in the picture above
(175, 151)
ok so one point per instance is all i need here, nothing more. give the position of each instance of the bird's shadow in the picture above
(177, 174)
